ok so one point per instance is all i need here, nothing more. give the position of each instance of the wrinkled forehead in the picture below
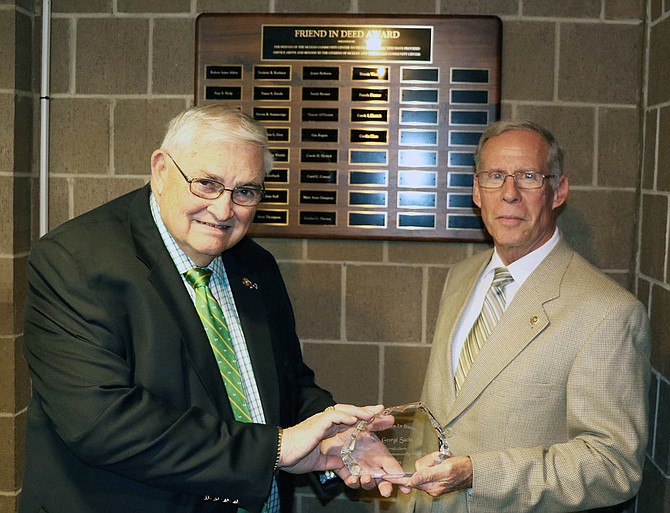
(523, 148)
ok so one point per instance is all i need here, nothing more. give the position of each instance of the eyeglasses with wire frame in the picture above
(206, 188)
(522, 179)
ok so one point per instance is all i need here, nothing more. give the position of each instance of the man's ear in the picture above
(475, 193)
(158, 171)
(561, 191)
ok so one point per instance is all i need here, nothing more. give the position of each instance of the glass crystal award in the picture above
(388, 445)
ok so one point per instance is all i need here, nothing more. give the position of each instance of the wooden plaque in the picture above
(372, 120)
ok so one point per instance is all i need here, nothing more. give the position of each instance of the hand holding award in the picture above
(389, 451)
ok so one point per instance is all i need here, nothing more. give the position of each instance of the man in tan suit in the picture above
(550, 414)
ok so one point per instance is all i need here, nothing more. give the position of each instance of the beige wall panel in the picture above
(173, 64)
(618, 147)
(351, 251)
(597, 223)
(609, 72)
(653, 236)
(79, 136)
(349, 371)
(383, 303)
(315, 291)
(663, 155)
(528, 63)
(111, 55)
(139, 127)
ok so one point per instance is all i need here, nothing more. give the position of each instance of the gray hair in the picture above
(214, 124)
(555, 152)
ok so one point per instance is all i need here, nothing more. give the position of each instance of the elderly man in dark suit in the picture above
(162, 346)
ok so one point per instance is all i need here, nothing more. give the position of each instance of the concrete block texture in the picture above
(315, 291)
(654, 495)
(11, 446)
(345, 250)
(662, 432)
(14, 376)
(139, 127)
(349, 371)
(234, 6)
(313, 6)
(282, 248)
(79, 136)
(528, 63)
(597, 223)
(383, 303)
(173, 64)
(660, 359)
(386, 7)
(439, 253)
(89, 193)
(618, 150)
(59, 201)
(659, 56)
(609, 72)
(480, 7)
(7, 64)
(62, 40)
(112, 56)
(565, 9)
(15, 227)
(653, 237)
(77, 6)
(153, 6)
(404, 368)
(625, 9)
(649, 156)
(663, 155)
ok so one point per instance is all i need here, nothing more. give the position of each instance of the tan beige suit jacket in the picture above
(554, 410)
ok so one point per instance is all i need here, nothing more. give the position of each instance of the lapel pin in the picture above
(248, 283)
(534, 319)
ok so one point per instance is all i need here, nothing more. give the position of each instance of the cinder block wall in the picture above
(653, 280)
(594, 71)
(16, 154)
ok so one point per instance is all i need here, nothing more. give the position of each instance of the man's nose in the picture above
(222, 207)
(510, 190)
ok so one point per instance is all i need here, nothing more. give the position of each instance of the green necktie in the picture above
(216, 328)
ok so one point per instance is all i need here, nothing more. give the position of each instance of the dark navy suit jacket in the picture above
(129, 414)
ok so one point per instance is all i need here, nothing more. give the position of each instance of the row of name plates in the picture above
(364, 148)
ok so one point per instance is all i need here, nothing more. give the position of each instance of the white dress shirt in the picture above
(520, 270)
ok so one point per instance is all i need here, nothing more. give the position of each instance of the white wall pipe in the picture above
(44, 118)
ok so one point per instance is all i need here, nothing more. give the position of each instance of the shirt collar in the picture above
(180, 259)
(521, 269)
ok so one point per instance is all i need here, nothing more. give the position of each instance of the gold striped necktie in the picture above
(492, 309)
(216, 328)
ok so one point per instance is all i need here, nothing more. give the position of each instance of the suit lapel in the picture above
(165, 279)
(439, 392)
(249, 292)
(524, 319)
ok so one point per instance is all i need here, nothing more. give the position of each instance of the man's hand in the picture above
(374, 457)
(454, 473)
(301, 444)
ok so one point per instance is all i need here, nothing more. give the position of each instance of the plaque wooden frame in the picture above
(373, 120)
